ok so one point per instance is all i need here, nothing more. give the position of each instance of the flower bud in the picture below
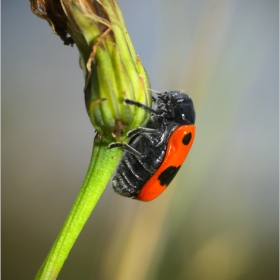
(111, 68)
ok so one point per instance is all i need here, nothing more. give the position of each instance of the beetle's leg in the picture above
(154, 126)
(127, 148)
(141, 130)
(155, 133)
(162, 138)
(152, 135)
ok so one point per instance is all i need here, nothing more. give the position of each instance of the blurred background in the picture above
(219, 218)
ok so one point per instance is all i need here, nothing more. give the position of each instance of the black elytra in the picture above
(146, 148)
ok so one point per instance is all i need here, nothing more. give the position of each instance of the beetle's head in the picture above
(178, 107)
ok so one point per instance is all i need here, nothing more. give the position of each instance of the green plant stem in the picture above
(102, 165)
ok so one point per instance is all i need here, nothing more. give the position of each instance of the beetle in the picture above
(155, 152)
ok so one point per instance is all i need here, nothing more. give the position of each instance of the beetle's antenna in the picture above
(132, 102)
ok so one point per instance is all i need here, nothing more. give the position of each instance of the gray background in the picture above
(219, 218)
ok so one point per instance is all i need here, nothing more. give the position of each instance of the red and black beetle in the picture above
(155, 153)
